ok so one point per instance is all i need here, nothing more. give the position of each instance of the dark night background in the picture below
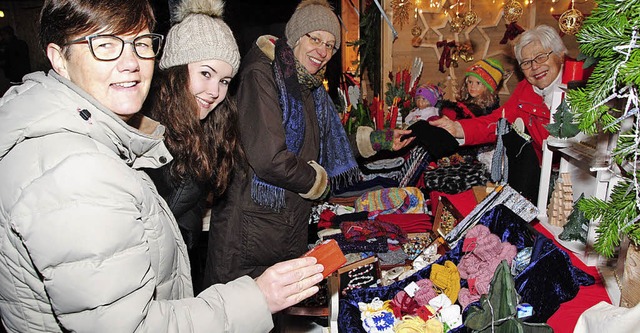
(247, 18)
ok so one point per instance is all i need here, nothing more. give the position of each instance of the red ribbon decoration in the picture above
(445, 57)
(513, 30)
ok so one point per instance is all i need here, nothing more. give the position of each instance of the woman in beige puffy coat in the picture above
(86, 242)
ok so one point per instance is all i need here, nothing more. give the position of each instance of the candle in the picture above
(574, 71)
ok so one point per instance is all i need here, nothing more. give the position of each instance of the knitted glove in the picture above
(382, 139)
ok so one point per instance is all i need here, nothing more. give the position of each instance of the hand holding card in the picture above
(328, 254)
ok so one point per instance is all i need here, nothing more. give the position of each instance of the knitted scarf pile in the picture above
(335, 153)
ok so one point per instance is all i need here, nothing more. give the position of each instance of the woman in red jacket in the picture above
(540, 53)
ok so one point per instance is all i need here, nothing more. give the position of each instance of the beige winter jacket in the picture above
(86, 242)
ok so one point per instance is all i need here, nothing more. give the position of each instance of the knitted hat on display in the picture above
(200, 34)
(312, 15)
(489, 71)
(446, 278)
(429, 92)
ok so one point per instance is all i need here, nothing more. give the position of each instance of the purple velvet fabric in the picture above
(549, 280)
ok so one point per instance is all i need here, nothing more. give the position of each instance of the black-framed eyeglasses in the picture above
(109, 47)
(539, 59)
(315, 41)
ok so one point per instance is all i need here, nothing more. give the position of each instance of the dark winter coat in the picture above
(245, 238)
(187, 201)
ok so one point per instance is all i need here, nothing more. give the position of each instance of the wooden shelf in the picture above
(584, 156)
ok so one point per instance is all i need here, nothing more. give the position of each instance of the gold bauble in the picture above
(512, 11)
(466, 52)
(470, 18)
(571, 21)
(457, 24)
(416, 31)
(455, 55)
(466, 56)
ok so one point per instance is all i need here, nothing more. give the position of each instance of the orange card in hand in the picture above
(328, 254)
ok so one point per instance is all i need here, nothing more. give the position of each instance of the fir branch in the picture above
(630, 71)
(609, 10)
(367, 46)
(608, 35)
(614, 216)
(626, 147)
(600, 41)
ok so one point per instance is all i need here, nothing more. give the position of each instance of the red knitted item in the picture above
(371, 229)
(405, 303)
(325, 219)
(409, 223)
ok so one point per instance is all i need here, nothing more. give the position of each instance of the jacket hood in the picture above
(47, 104)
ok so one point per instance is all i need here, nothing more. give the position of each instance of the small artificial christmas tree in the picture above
(561, 203)
(450, 89)
(610, 36)
(577, 226)
(563, 125)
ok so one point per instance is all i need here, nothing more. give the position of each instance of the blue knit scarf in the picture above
(335, 152)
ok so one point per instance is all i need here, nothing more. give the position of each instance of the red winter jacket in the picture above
(524, 103)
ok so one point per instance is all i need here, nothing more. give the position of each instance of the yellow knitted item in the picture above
(446, 278)
(411, 324)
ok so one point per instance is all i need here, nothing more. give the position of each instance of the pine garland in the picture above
(611, 36)
(368, 46)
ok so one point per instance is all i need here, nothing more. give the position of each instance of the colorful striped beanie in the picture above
(489, 71)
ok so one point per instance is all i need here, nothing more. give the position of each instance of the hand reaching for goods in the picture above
(289, 282)
(451, 126)
(400, 139)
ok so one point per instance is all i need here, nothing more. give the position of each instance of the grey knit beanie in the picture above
(200, 34)
(312, 15)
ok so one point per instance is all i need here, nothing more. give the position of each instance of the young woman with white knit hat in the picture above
(189, 97)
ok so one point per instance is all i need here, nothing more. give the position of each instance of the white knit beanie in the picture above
(200, 34)
(312, 15)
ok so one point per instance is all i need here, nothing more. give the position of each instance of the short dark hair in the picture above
(62, 19)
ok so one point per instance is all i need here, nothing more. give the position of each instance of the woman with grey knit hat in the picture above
(295, 146)
(189, 97)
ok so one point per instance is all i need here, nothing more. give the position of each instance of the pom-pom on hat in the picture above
(429, 92)
(489, 71)
(309, 16)
(200, 34)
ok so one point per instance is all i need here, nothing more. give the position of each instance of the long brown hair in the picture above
(202, 150)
